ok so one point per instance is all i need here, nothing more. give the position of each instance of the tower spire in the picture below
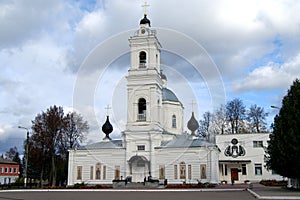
(193, 103)
(107, 108)
(145, 5)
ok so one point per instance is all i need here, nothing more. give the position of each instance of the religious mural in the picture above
(234, 149)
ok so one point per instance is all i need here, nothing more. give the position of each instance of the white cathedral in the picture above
(154, 144)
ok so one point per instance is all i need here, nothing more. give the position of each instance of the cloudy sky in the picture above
(75, 54)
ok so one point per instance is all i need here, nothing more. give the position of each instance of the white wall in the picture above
(254, 154)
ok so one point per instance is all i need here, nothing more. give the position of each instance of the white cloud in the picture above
(272, 76)
(41, 40)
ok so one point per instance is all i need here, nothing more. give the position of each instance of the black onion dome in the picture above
(193, 125)
(107, 128)
(145, 20)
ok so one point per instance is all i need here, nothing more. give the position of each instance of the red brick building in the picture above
(9, 171)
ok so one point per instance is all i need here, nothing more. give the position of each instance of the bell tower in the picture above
(144, 104)
(144, 80)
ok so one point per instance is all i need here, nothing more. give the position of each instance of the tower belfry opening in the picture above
(142, 109)
(143, 59)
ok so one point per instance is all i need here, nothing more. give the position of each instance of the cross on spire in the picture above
(145, 5)
(193, 103)
(107, 108)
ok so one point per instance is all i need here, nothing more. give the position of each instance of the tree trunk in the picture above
(53, 171)
(41, 176)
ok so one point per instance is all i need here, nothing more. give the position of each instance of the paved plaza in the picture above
(221, 192)
(125, 195)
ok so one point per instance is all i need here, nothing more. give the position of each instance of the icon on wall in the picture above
(235, 149)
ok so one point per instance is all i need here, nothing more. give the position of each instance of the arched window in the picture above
(143, 59)
(173, 121)
(142, 109)
(98, 171)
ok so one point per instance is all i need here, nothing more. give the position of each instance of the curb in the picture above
(124, 190)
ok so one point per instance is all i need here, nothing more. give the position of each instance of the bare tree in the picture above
(219, 120)
(53, 134)
(235, 111)
(204, 124)
(75, 130)
(49, 126)
(257, 117)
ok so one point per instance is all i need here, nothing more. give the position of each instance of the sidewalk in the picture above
(263, 192)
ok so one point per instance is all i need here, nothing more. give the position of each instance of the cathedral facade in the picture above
(153, 145)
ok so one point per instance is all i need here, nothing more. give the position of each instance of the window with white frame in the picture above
(79, 172)
(189, 172)
(257, 144)
(258, 169)
(175, 172)
(141, 147)
(92, 172)
(244, 169)
(173, 121)
(104, 172)
(117, 172)
(161, 172)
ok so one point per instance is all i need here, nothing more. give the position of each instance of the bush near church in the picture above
(273, 183)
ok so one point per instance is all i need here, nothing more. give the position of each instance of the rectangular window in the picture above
(244, 169)
(141, 147)
(6, 170)
(257, 144)
(117, 172)
(175, 172)
(174, 121)
(10, 170)
(15, 170)
(189, 172)
(92, 172)
(104, 172)
(225, 170)
(1, 170)
(203, 171)
(258, 169)
(79, 172)
(161, 172)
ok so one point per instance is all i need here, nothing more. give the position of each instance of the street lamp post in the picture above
(26, 155)
(275, 107)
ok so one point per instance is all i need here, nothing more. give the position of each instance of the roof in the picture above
(234, 161)
(5, 161)
(111, 144)
(168, 95)
(184, 141)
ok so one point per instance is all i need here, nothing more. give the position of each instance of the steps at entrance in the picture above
(138, 185)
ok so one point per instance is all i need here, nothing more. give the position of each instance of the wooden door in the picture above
(235, 174)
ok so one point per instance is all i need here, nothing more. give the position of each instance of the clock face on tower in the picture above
(143, 31)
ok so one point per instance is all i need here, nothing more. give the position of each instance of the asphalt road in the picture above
(125, 195)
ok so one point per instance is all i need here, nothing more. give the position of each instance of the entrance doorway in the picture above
(139, 168)
(235, 174)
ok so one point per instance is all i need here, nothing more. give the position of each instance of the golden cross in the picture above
(145, 7)
(193, 103)
(107, 108)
